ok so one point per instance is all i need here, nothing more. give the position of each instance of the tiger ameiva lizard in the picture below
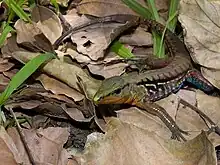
(136, 88)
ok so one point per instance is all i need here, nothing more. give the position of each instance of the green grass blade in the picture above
(28, 69)
(3, 36)
(138, 8)
(153, 10)
(18, 10)
(173, 11)
(121, 50)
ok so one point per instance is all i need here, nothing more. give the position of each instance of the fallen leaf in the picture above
(46, 145)
(133, 145)
(8, 153)
(108, 71)
(5, 65)
(48, 22)
(30, 36)
(102, 8)
(59, 88)
(202, 29)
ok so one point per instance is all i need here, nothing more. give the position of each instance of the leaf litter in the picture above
(133, 137)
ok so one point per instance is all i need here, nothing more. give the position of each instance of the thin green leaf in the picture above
(173, 11)
(18, 10)
(153, 9)
(28, 69)
(121, 50)
(3, 36)
(138, 8)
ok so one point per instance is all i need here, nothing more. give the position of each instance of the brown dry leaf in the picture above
(76, 114)
(59, 88)
(5, 65)
(189, 120)
(48, 22)
(81, 58)
(31, 37)
(102, 8)
(108, 71)
(202, 34)
(138, 38)
(46, 145)
(9, 154)
(95, 39)
(127, 144)
(4, 80)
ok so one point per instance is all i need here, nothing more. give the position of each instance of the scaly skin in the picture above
(125, 89)
(180, 64)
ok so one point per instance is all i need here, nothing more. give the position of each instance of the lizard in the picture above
(126, 89)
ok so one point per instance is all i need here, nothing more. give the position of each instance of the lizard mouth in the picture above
(116, 100)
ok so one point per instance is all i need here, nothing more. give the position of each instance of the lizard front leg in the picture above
(136, 95)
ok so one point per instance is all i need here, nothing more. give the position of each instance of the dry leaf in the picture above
(102, 8)
(138, 38)
(5, 65)
(127, 144)
(108, 71)
(9, 154)
(46, 145)
(202, 29)
(48, 22)
(59, 88)
(31, 37)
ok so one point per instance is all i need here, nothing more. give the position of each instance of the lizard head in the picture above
(109, 86)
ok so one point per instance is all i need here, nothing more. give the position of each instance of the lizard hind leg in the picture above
(213, 125)
(156, 110)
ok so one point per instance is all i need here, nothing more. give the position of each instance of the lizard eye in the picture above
(118, 91)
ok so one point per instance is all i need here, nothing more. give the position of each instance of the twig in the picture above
(19, 129)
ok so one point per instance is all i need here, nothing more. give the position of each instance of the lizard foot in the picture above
(177, 133)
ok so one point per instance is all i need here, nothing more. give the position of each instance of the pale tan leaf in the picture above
(48, 22)
(102, 8)
(108, 71)
(138, 38)
(127, 144)
(59, 88)
(202, 34)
